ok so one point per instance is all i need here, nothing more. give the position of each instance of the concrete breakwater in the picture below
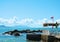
(45, 36)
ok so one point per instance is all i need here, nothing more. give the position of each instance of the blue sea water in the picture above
(22, 38)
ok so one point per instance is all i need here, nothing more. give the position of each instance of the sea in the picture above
(22, 38)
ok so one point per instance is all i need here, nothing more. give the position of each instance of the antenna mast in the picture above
(52, 21)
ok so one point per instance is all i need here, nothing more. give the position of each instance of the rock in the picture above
(15, 33)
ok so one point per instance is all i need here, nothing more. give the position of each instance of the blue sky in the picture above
(29, 12)
(36, 9)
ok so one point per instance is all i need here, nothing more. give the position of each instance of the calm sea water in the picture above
(22, 38)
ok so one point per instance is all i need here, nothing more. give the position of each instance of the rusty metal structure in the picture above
(51, 24)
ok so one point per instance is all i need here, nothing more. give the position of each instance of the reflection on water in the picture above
(7, 38)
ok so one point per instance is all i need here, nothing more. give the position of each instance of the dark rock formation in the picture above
(15, 33)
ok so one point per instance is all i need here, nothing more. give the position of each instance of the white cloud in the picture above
(8, 22)
(58, 20)
(25, 22)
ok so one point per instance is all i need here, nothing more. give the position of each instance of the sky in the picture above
(29, 10)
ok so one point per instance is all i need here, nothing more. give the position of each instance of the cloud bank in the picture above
(25, 22)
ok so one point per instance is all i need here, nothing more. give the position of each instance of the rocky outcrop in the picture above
(15, 33)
